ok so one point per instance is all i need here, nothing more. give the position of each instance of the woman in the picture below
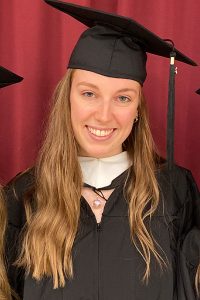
(96, 219)
(6, 78)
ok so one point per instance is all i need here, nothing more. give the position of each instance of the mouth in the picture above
(100, 132)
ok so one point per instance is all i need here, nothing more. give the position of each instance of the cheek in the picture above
(79, 114)
(127, 119)
(76, 109)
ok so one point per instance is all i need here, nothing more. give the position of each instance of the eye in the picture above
(124, 99)
(88, 94)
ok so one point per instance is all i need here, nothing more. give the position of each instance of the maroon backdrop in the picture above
(36, 41)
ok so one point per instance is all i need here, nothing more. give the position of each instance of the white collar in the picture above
(100, 172)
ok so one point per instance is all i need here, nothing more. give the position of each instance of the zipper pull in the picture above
(98, 226)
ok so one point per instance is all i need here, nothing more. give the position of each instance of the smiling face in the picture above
(103, 110)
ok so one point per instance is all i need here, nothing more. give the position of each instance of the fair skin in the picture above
(103, 110)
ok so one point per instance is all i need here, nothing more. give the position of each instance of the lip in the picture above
(99, 133)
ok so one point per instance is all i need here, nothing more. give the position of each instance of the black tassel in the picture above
(171, 113)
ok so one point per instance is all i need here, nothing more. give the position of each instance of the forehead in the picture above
(83, 77)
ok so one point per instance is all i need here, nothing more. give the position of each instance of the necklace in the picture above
(97, 203)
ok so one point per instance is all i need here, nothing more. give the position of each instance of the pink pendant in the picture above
(97, 203)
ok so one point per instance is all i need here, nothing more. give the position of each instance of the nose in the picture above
(104, 111)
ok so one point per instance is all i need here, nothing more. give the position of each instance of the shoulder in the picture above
(15, 192)
(184, 188)
(181, 177)
(182, 180)
(21, 183)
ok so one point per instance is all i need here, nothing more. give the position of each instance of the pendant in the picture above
(97, 203)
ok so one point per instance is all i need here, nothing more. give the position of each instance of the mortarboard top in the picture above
(7, 77)
(116, 46)
(148, 41)
(198, 91)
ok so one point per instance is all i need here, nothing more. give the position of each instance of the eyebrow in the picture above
(126, 90)
(96, 87)
(87, 84)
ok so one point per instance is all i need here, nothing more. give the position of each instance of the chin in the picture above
(101, 154)
(96, 154)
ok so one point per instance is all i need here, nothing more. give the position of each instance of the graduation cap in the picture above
(198, 91)
(7, 77)
(116, 46)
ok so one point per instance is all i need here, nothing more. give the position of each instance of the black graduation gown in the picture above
(106, 264)
(189, 261)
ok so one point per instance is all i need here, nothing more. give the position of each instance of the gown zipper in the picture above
(98, 258)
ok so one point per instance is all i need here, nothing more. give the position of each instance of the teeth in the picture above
(99, 132)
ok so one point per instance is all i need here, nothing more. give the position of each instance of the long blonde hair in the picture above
(143, 190)
(52, 223)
